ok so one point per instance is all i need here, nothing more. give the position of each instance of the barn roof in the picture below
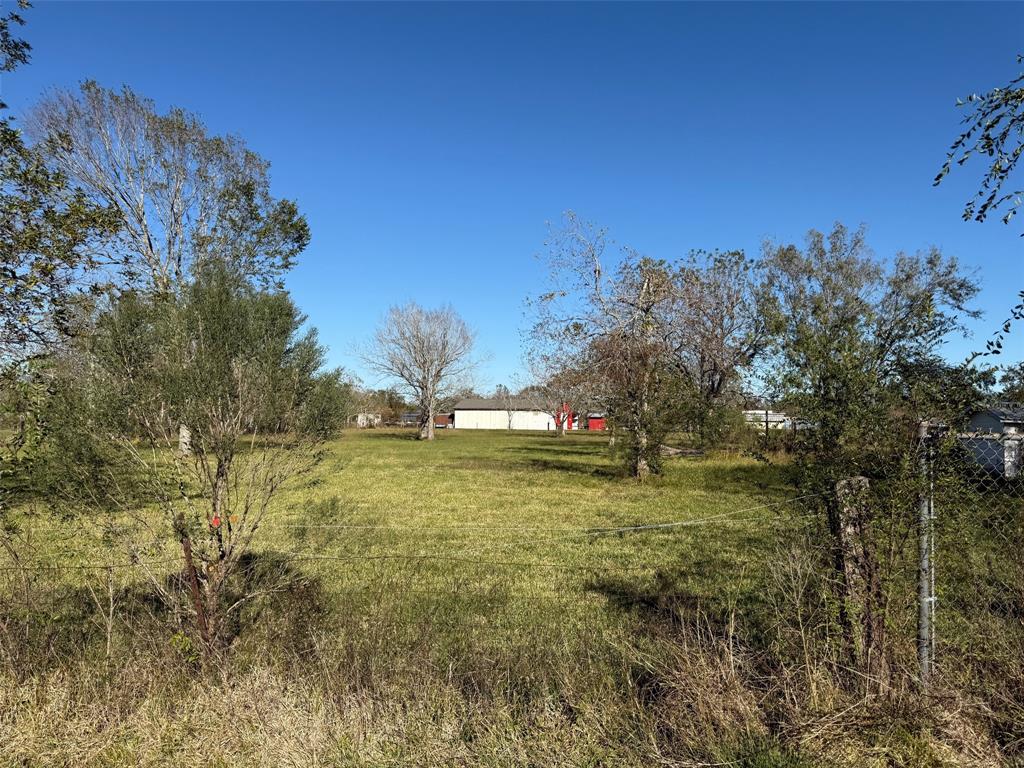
(495, 404)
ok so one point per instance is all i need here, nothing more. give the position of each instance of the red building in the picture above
(565, 418)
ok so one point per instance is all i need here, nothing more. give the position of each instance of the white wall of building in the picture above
(467, 419)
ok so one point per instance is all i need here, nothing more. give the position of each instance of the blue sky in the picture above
(429, 145)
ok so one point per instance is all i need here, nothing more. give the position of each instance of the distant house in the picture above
(442, 421)
(594, 422)
(366, 420)
(994, 438)
(498, 413)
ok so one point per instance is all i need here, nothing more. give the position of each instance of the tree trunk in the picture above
(220, 501)
(861, 578)
(184, 440)
(641, 467)
(197, 596)
(427, 426)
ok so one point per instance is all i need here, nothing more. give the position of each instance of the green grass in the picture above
(506, 518)
(446, 604)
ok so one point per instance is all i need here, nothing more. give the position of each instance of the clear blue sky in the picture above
(429, 145)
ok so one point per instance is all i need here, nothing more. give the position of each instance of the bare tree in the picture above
(724, 324)
(508, 402)
(557, 389)
(651, 336)
(183, 195)
(619, 322)
(428, 353)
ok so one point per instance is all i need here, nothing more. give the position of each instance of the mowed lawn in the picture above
(517, 519)
(454, 602)
(498, 529)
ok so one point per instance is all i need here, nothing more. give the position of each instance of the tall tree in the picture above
(427, 353)
(50, 231)
(724, 325)
(650, 334)
(858, 360)
(183, 196)
(50, 234)
(619, 321)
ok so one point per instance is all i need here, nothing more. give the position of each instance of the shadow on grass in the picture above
(407, 435)
(576, 449)
(742, 477)
(663, 604)
(586, 470)
(677, 598)
(571, 457)
(275, 606)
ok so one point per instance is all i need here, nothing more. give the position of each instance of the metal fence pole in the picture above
(925, 578)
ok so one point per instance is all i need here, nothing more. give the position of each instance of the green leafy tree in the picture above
(859, 345)
(858, 361)
(1011, 384)
(49, 232)
(50, 236)
(230, 360)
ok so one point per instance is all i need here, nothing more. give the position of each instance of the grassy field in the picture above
(455, 603)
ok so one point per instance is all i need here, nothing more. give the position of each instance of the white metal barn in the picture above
(481, 413)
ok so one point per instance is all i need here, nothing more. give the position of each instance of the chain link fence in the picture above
(972, 637)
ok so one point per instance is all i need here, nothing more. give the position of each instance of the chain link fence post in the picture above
(926, 565)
